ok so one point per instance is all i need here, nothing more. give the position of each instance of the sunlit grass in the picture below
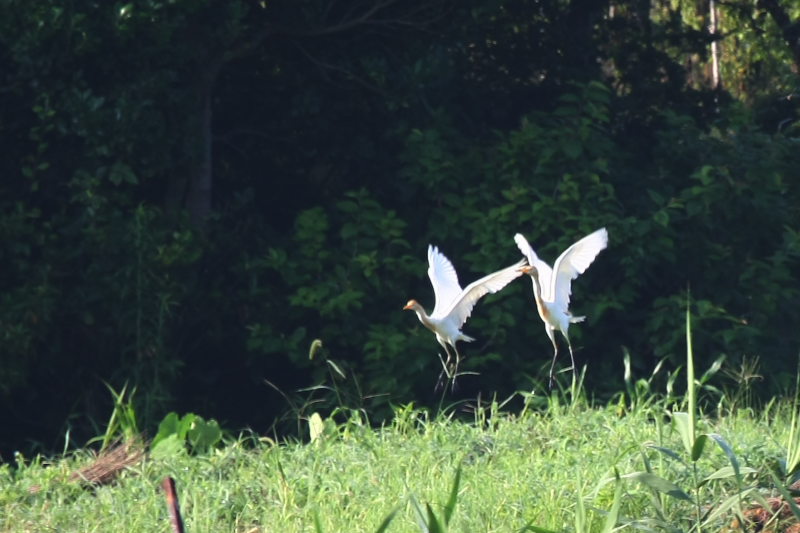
(540, 470)
(647, 461)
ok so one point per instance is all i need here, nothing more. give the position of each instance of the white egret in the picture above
(453, 304)
(552, 286)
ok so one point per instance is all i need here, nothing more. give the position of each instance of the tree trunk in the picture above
(192, 185)
(713, 23)
(201, 179)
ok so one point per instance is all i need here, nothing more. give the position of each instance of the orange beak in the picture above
(526, 269)
(406, 307)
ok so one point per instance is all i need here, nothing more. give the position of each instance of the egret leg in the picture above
(572, 358)
(455, 369)
(551, 334)
(445, 370)
(439, 379)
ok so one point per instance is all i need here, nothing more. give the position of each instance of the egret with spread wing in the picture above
(552, 286)
(453, 304)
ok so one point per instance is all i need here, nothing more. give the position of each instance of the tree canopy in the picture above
(195, 191)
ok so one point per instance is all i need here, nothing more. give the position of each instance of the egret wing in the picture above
(574, 261)
(444, 280)
(545, 272)
(462, 307)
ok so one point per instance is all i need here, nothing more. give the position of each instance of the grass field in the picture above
(643, 462)
(570, 467)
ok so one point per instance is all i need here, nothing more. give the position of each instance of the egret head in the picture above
(530, 270)
(411, 305)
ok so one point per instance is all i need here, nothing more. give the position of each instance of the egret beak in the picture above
(407, 306)
(526, 269)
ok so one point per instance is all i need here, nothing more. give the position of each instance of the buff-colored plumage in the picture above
(453, 304)
(552, 287)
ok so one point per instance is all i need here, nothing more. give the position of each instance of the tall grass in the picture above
(647, 461)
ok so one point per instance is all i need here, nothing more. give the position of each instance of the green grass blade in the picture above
(690, 384)
(580, 514)
(728, 472)
(659, 484)
(672, 454)
(793, 442)
(726, 448)
(317, 523)
(453, 499)
(336, 369)
(613, 514)
(725, 506)
(434, 526)
(535, 529)
(386, 521)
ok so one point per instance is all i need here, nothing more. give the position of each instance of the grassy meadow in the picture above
(568, 467)
(646, 461)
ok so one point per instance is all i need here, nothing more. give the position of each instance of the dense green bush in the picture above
(332, 156)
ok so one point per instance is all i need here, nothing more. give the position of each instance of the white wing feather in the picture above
(574, 261)
(545, 272)
(462, 308)
(444, 280)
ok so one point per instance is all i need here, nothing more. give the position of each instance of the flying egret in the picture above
(552, 287)
(453, 304)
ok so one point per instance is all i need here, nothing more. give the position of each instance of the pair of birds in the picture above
(551, 290)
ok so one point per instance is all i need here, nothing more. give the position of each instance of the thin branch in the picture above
(323, 65)
(418, 17)
(368, 16)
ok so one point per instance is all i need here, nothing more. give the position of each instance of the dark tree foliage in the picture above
(194, 191)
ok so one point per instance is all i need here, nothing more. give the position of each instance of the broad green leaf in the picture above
(699, 444)
(682, 423)
(204, 434)
(168, 447)
(168, 426)
(185, 424)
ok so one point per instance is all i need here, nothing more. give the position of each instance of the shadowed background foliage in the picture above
(194, 191)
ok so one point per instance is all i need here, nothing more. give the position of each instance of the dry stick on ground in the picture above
(109, 463)
(172, 505)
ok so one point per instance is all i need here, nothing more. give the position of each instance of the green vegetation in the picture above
(565, 467)
(193, 191)
(646, 461)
